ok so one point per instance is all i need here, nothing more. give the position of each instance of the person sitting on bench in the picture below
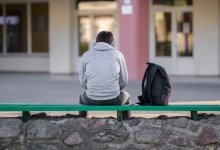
(103, 74)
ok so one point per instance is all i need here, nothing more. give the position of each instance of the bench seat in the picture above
(27, 108)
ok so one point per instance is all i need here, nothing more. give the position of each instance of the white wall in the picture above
(206, 35)
(75, 63)
(24, 63)
(60, 24)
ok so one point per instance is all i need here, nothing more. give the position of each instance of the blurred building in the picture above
(51, 35)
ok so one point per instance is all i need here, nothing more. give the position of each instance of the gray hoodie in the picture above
(103, 72)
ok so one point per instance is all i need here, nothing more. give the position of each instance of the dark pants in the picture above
(122, 99)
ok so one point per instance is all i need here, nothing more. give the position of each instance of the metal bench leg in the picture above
(119, 115)
(83, 114)
(26, 115)
(194, 115)
(122, 115)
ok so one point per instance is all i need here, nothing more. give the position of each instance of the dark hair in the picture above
(105, 36)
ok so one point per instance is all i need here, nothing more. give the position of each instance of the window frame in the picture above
(29, 52)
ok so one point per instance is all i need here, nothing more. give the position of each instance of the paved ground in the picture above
(65, 89)
(44, 88)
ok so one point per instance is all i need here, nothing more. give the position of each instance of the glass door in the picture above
(183, 34)
(163, 34)
(85, 36)
(90, 26)
(93, 17)
(173, 40)
(107, 22)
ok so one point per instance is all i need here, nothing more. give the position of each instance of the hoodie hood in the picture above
(102, 46)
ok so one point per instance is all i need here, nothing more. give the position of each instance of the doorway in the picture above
(90, 26)
(172, 36)
(93, 17)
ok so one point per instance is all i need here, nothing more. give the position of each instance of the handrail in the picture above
(26, 108)
(66, 107)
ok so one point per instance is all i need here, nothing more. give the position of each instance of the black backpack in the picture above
(156, 88)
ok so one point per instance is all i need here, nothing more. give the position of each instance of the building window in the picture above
(1, 29)
(39, 13)
(15, 22)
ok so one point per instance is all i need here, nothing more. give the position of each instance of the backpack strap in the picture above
(142, 98)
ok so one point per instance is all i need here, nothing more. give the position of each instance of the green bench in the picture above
(27, 108)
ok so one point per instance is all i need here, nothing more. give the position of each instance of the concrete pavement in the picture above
(65, 89)
(52, 89)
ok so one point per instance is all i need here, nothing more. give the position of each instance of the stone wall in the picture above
(71, 133)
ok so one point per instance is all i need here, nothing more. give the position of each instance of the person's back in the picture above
(103, 74)
(103, 64)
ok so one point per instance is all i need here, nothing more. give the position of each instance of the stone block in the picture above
(73, 139)
(194, 126)
(10, 127)
(207, 136)
(148, 136)
(43, 146)
(41, 129)
(110, 136)
(179, 140)
(180, 122)
(134, 147)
